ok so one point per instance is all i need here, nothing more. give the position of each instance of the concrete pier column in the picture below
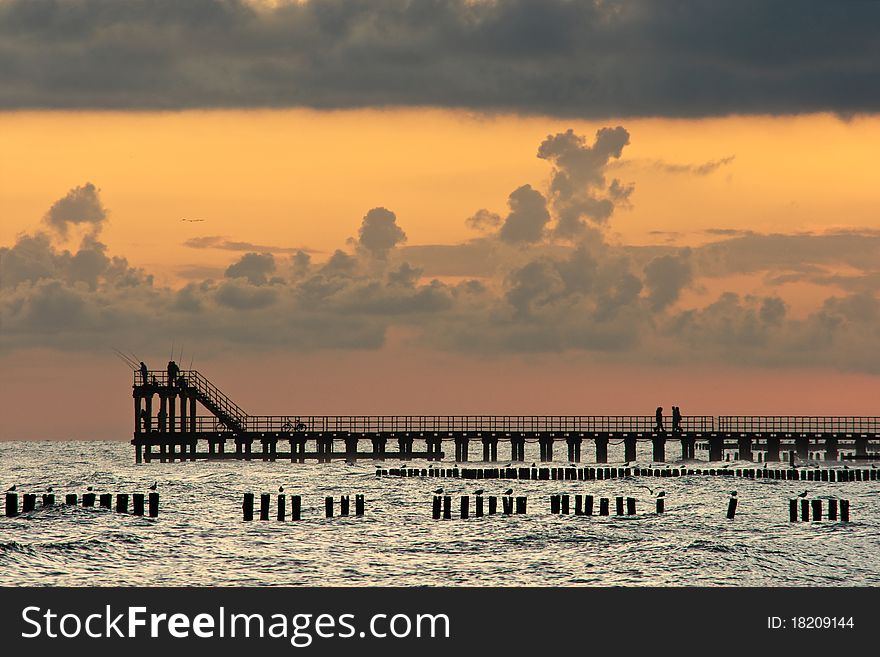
(601, 449)
(861, 447)
(688, 448)
(659, 448)
(461, 448)
(716, 448)
(744, 443)
(434, 445)
(379, 443)
(802, 447)
(629, 449)
(405, 444)
(772, 449)
(490, 448)
(546, 447)
(137, 413)
(172, 412)
(324, 448)
(351, 446)
(517, 448)
(574, 448)
(148, 416)
(831, 448)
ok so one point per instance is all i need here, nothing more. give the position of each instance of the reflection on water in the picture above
(199, 538)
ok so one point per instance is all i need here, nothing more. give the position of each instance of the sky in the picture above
(454, 207)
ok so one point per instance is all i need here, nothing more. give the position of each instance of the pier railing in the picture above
(209, 394)
(799, 424)
(471, 423)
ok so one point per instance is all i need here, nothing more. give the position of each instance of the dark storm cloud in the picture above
(560, 57)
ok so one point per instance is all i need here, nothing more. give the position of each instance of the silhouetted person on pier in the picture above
(676, 419)
(658, 416)
(173, 371)
(144, 373)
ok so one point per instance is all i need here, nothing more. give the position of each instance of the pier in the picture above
(191, 419)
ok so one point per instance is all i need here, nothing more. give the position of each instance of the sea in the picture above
(200, 538)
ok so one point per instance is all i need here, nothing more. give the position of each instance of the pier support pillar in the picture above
(163, 412)
(716, 448)
(574, 448)
(802, 447)
(351, 446)
(297, 449)
(379, 443)
(324, 445)
(629, 449)
(831, 448)
(772, 449)
(172, 412)
(601, 449)
(861, 447)
(192, 413)
(517, 448)
(659, 448)
(138, 453)
(137, 413)
(688, 448)
(183, 423)
(461, 448)
(490, 448)
(545, 444)
(405, 444)
(744, 443)
(148, 413)
(434, 445)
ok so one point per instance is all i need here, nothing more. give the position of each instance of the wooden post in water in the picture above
(507, 505)
(731, 507)
(493, 505)
(137, 504)
(588, 505)
(832, 509)
(247, 507)
(479, 506)
(106, 500)
(792, 510)
(328, 507)
(435, 507)
(282, 508)
(447, 507)
(465, 506)
(630, 506)
(122, 503)
(817, 509)
(88, 500)
(578, 505)
(618, 504)
(805, 510)
(661, 503)
(844, 510)
(295, 507)
(521, 505)
(11, 505)
(359, 505)
(264, 506)
(555, 501)
(48, 499)
(153, 505)
(344, 502)
(565, 503)
(603, 506)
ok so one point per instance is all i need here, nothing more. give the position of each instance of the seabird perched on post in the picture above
(155, 485)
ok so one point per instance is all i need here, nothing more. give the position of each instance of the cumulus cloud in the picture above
(527, 217)
(572, 59)
(578, 186)
(484, 221)
(379, 232)
(80, 206)
(666, 276)
(257, 268)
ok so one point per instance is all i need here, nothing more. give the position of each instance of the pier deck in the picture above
(168, 426)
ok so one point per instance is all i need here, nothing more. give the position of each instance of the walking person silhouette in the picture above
(659, 420)
(676, 419)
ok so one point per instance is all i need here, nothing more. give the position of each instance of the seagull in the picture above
(479, 491)
(509, 491)
(506, 466)
(438, 491)
(89, 488)
(650, 490)
(11, 488)
(662, 493)
(846, 467)
(281, 489)
(192, 220)
(804, 494)
(733, 493)
(533, 465)
(155, 485)
(49, 490)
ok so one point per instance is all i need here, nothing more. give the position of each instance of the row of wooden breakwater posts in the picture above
(141, 504)
(247, 506)
(589, 473)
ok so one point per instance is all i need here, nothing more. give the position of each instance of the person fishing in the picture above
(173, 371)
(144, 373)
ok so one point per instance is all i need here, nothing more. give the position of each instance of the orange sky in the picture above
(304, 179)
